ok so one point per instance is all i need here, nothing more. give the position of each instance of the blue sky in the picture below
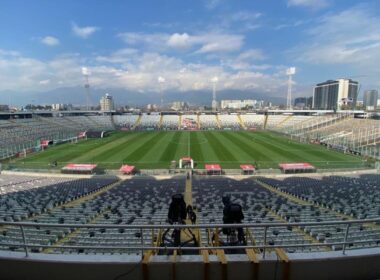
(130, 44)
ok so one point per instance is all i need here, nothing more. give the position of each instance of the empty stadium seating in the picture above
(170, 122)
(145, 201)
(20, 135)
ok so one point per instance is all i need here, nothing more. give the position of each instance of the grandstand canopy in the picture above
(213, 168)
(247, 167)
(296, 167)
(74, 167)
(127, 169)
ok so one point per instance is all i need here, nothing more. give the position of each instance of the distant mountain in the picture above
(76, 96)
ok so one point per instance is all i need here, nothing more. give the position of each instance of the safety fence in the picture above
(154, 233)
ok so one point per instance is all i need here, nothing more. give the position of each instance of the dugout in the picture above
(247, 169)
(73, 168)
(302, 167)
(127, 169)
(213, 169)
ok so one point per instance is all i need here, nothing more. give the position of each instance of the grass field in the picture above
(152, 150)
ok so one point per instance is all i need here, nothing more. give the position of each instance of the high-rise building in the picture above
(106, 103)
(370, 99)
(335, 94)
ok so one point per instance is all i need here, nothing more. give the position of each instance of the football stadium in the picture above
(189, 140)
(195, 195)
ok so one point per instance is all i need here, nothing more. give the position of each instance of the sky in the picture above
(180, 46)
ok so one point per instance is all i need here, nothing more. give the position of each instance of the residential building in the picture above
(335, 94)
(106, 103)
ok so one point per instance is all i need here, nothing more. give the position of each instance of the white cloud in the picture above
(247, 60)
(179, 40)
(9, 53)
(212, 4)
(314, 4)
(44, 82)
(199, 43)
(132, 70)
(83, 32)
(292, 24)
(50, 41)
(120, 56)
(350, 38)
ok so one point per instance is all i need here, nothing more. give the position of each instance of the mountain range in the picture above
(77, 96)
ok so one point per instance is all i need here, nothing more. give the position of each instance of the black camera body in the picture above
(177, 209)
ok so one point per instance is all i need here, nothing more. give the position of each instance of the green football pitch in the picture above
(153, 150)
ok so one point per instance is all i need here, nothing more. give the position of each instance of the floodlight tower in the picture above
(86, 73)
(214, 104)
(290, 72)
(161, 80)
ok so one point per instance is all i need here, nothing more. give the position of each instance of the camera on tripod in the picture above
(233, 214)
(177, 215)
(177, 210)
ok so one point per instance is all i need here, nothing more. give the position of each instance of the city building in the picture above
(370, 99)
(59, 107)
(303, 102)
(106, 103)
(335, 94)
(4, 108)
(179, 105)
(238, 104)
(151, 107)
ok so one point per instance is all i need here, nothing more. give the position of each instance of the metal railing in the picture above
(210, 246)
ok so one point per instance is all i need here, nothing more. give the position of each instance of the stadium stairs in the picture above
(241, 122)
(198, 122)
(161, 121)
(79, 201)
(280, 124)
(265, 121)
(292, 198)
(179, 122)
(208, 264)
(218, 121)
(295, 199)
(137, 123)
